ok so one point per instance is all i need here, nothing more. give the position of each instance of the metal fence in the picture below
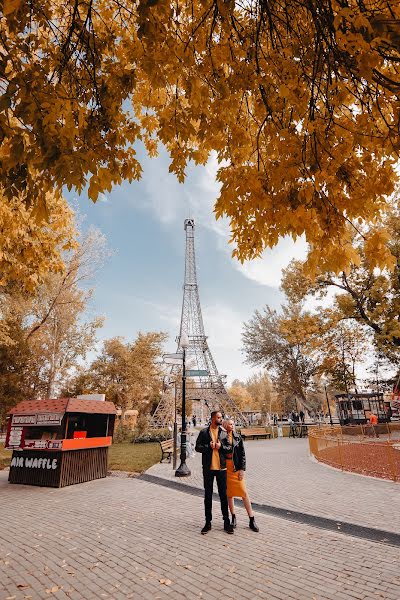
(365, 449)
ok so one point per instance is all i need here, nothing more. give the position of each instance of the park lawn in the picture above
(5, 457)
(135, 458)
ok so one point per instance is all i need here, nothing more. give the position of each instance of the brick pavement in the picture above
(124, 538)
(281, 473)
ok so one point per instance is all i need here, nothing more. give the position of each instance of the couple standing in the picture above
(224, 458)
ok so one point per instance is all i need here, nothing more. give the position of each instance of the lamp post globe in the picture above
(183, 470)
(184, 341)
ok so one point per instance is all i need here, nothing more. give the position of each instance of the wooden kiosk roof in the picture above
(64, 405)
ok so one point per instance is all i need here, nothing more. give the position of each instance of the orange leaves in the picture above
(377, 251)
(296, 124)
(33, 238)
(11, 6)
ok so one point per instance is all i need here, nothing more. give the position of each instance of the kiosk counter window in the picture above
(69, 434)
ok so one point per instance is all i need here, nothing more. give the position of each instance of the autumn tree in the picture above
(261, 390)
(284, 344)
(297, 99)
(345, 346)
(240, 395)
(18, 371)
(47, 332)
(364, 295)
(126, 372)
(36, 366)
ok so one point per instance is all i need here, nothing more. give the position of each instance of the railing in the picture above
(365, 449)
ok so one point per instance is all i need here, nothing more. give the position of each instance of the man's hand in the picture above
(240, 475)
(218, 445)
(212, 444)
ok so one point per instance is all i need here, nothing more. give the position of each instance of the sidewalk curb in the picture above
(351, 529)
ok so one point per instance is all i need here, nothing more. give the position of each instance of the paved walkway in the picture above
(281, 473)
(125, 538)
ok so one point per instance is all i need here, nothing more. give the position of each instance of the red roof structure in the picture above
(64, 405)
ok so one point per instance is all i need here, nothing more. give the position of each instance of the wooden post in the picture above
(66, 426)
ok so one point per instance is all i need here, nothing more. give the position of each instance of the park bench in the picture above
(298, 429)
(255, 432)
(167, 449)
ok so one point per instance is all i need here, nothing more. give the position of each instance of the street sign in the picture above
(173, 359)
(196, 373)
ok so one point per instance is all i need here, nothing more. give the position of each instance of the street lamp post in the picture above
(183, 470)
(175, 431)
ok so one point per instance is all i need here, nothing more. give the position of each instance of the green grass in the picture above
(5, 457)
(135, 458)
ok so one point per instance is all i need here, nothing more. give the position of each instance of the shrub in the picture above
(142, 425)
(123, 433)
(151, 435)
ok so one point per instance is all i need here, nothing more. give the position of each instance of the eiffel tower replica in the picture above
(204, 385)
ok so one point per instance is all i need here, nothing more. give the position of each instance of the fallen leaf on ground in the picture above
(22, 586)
(53, 590)
(165, 581)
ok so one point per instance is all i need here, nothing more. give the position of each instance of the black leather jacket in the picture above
(203, 446)
(238, 454)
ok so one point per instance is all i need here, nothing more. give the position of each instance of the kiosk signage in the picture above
(15, 437)
(39, 419)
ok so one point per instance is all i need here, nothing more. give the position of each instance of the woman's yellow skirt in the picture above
(234, 487)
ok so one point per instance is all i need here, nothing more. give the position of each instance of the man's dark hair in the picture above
(214, 412)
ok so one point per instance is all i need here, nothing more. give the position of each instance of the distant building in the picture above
(130, 418)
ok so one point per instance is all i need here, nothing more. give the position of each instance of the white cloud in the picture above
(267, 270)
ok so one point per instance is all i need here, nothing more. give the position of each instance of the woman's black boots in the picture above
(234, 521)
(252, 525)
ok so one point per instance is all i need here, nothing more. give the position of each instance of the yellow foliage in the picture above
(300, 105)
(240, 396)
(31, 246)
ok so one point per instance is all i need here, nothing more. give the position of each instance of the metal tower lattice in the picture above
(205, 386)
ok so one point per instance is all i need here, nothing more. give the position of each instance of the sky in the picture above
(140, 286)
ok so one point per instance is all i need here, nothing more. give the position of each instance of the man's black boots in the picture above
(206, 528)
(228, 527)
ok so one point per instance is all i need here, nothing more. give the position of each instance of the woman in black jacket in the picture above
(236, 466)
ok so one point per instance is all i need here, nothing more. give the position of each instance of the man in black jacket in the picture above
(214, 445)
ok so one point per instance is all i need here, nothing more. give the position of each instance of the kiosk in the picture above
(59, 442)
(353, 408)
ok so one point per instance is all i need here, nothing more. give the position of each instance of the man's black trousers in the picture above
(208, 477)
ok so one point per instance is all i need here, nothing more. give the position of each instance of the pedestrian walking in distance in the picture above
(213, 444)
(235, 469)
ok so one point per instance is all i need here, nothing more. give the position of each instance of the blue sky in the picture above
(140, 286)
